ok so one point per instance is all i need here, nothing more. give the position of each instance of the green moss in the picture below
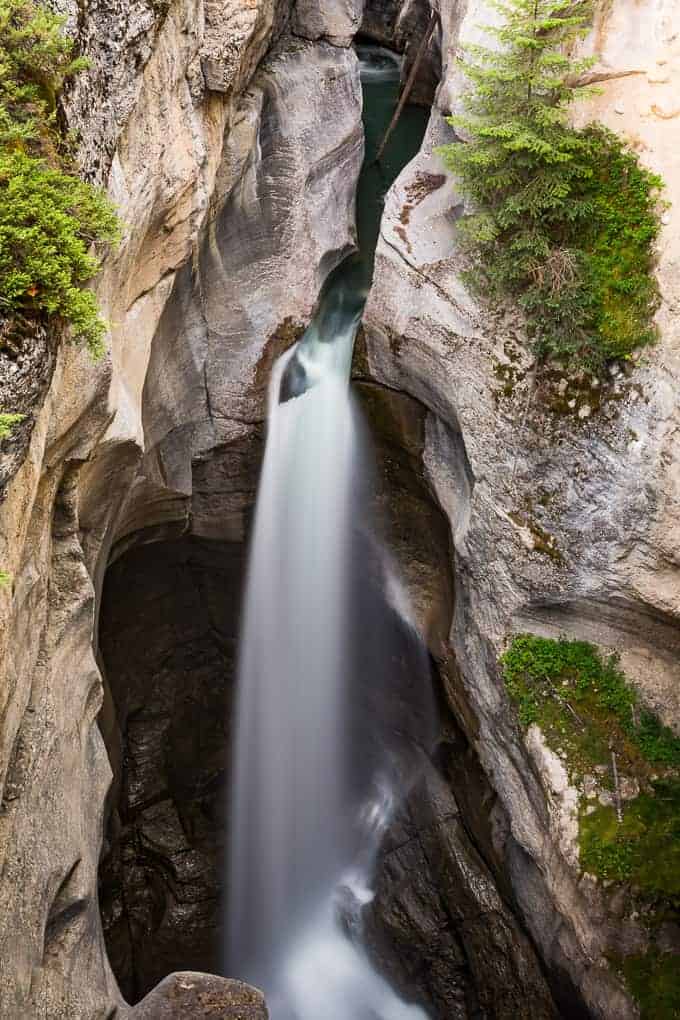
(5, 579)
(7, 423)
(644, 848)
(584, 705)
(508, 375)
(587, 710)
(618, 243)
(609, 309)
(543, 542)
(654, 980)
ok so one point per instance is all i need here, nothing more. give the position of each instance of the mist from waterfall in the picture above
(317, 769)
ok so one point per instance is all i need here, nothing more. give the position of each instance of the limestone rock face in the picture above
(401, 26)
(235, 177)
(561, 521)
(337, 21)
(201, 997)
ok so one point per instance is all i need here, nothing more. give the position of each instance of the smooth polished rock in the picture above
(335, 20)
(562, 520)
(188, 995)
(135, 444)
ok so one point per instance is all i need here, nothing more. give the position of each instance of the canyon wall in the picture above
(561, 495)
(229, 135)
(231, 144)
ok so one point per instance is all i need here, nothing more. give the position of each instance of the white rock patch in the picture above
(563, 798)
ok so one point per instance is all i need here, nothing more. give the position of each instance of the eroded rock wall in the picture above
(444, 923)
(562, 512)
(402, 25)
(232, 148)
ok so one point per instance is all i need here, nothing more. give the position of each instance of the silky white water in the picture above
(310, 800)
(302, 847)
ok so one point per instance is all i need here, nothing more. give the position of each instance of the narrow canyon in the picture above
(231, 136)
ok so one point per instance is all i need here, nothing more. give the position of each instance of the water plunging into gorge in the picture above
(312, 787)
(353, 848)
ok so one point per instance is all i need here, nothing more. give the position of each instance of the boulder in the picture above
(187, 995)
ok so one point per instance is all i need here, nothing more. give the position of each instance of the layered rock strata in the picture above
(235, 179)
(561, 496)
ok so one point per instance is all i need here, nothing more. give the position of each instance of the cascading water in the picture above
(311, 798)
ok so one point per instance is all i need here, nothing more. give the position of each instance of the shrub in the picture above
(654, 980)
(563, 220)
(36, 58)
(50, 220)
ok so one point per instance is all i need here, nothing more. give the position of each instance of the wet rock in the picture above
(401, 26)
(380, 20)
(439, 925)
(168, 637)
(188, 995)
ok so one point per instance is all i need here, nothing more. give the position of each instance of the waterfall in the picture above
(315, 776)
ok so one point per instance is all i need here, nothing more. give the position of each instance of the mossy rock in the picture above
(654, 981)
(644, 848)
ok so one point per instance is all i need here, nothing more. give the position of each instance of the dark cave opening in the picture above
(168, 631)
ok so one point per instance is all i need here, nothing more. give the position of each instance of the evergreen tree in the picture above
(36, 58)
(545, 195)
(50, 220)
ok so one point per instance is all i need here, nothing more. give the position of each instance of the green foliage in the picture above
(7, 423)
(36, 58)
(50, 220)
(644, 848)
(565, 219)
(654, 980)
(586, 708)
(584, 703)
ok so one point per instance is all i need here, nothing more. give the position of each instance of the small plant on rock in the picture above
(7, 423)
